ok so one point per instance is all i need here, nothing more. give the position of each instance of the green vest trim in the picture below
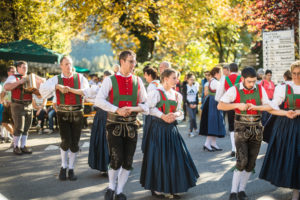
(76, 86)
(117, 97)
(237, 80)
(165, 101)
(243, 97)
(291, 98)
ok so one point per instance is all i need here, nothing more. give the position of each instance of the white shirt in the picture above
(191, 93)
(47, 89)
(103, 93)
(214, 84)
(152, 86)
(11, 79)
(230, 95)
(154, 98)
(221, 90)
(279, 94)
(90, 93)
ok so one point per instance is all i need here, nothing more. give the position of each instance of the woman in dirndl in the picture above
(212, 121)
(281, 165)
(167, 167)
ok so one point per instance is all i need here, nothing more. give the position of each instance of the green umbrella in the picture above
(28, 51)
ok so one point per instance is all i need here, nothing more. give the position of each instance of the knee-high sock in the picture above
(295, 195)
(122, 179)
(23, 141)
(244, 179)
(232, 141)
(16, 141)
(72, 159)
(64, 158)
(208, 141)
(236, 181)
(112, 176)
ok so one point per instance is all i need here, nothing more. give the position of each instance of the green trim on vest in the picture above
(243, 97)
(117, 97)
(76, 86)
(237, 80)
(168, 103)
(291, 97)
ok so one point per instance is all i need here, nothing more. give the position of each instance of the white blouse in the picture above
(279, 94)
(154, 98)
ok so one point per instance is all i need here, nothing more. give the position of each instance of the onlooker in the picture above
(39, 106)
(163, 66)
(226, 71)
(268, 84)
(287, 76)
(260, 75)
(116, 68)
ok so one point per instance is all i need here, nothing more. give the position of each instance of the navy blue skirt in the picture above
(98, 152)
(146, 126)
(281, 166)
(167, 164)
(212, 120)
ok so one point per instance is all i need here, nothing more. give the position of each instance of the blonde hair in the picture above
(295, 65)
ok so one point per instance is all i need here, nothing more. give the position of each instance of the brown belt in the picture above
(247, 118)
(69, 108)
(115, 118)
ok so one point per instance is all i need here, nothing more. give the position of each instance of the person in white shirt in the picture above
(122, 95)
(69, 113)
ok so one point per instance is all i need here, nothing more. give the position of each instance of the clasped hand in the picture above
(124, 111)
(169, 118)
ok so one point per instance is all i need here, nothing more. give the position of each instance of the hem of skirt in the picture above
(168, 192)
(280, 185)
(219, 136)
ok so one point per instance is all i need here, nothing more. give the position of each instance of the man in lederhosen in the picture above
(122, 96)
(69, 112)
(247, 125)
(225, 83)
(21, 108)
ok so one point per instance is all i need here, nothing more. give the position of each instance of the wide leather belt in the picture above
(115, 118)
(22, 102)
(69, 108)
(247, 118)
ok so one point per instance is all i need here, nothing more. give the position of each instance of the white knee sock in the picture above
(16, 141)
(64, 158)
(232, 141)
(236, 181)
(295, 195)
(208, 141)
(244, 179)
(122, 179)
(72, 159)
(23, 141)
(112, 176)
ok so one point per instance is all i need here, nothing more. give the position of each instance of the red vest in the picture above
(233, 80)
(124, 91)
(248, 96)
(19, 93)
(165, 105)
(292, 100)
(69, 98)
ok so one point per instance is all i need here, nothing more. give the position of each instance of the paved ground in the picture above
(36, 176)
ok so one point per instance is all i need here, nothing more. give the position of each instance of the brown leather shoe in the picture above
(26, 150)
(17, 151)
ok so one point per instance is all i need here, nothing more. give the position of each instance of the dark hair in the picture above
(249, 72)
(268, 71)
(10, 67)
(64, 57)
(167, 73)
(225, 67)
(233, 67)
(124, 54)
(146, 67)
(288, 75)
(19, 63)
(189, 75)
(151, 71)
(214, 71)
(106, 73)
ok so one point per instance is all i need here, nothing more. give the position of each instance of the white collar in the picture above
(119, 74)
(62, 75)
(242, 86)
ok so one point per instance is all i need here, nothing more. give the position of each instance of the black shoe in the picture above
(242, 196)
(233, 196)
(71, 175)
(205, 148)
(109, 194)
(63, 174)
(26, 150)
(17, 151)
(232, 154)
(216, 149)
(175, 196)
(158, 196)
(120, 196)
(104, 174)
